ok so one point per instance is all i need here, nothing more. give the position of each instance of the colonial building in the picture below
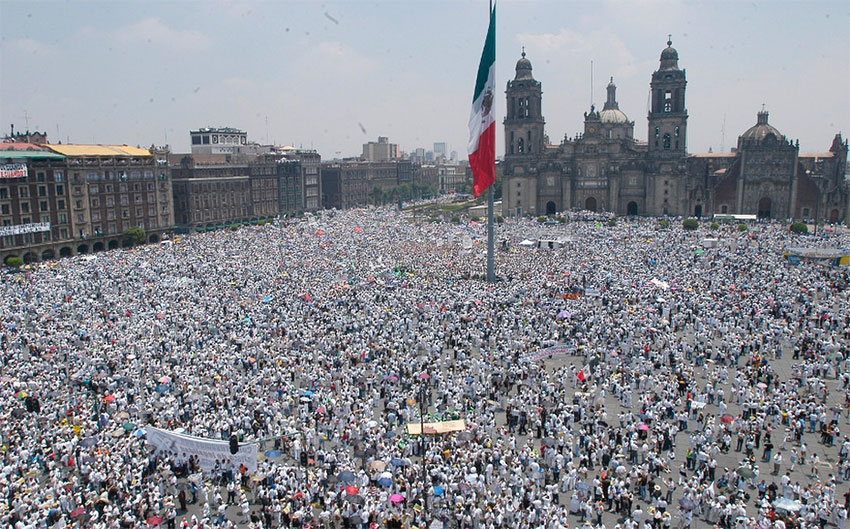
(606, 168)
(68, 199)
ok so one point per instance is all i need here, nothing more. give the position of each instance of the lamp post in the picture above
(423, 382)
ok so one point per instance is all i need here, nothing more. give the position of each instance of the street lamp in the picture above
(423, 387)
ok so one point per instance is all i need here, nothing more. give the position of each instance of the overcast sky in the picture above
(333, 75)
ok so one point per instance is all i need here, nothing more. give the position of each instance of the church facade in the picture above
(606, 169)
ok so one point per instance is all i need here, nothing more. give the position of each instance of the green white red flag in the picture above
(482, 119)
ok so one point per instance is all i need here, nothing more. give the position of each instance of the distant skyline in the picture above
(335, 75)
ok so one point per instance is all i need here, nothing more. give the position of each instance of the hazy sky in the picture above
(333, 75)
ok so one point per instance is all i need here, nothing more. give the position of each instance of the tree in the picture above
(690, 224)
(14, 262)
(799, 227)
(136, 235)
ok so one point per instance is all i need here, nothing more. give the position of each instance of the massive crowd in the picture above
(637, 377)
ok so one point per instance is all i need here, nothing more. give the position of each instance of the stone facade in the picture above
(606, 169)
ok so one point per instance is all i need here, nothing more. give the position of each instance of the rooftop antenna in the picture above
(723, 135)
(267, 129)
(591, 82)
(27, 120)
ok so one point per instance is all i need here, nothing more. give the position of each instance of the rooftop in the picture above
(98, 150)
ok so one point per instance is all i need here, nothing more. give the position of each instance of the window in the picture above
(95, 216)
(60, 190)
(39, 176)
(666, 142)
(60, 204)
(42, 191)
(806, 212)
(4, 192)
(63, 218)
(668, 101)
(58, 176)
(125, 213)
(42, 206)
(724, 209)
(63, 233)
(25, 207)
(93, 189)
(4, 209)
(23, 192)
(657, 135)
(95, 203)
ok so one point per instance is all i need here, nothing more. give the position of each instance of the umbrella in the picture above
(377, 465)
(424, 376)
(351, 490)
(687, 504)
(88, 442)
(308, 393)
(163, 380)
(385, 482)
(154, 520)
(389, 435)
(397, 462)
(118, 432)
(356, 499)
(396, 498)
(18, 413)
(726, 419)
(391, 378)
(563, 315)
(643, 426)
(76, 513)
(346, 476)
(438, 491)
(787, 504)
(305, 399)
(123, 415)
(745, 472)
(272, 453)
(129, 427)
(464, 436)
(109, 398)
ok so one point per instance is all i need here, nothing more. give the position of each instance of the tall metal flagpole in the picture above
(491, 267)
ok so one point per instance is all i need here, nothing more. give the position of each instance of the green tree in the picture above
(742, 227)
(136, 235)
(14, 262)
(799, 227)
(690, 224)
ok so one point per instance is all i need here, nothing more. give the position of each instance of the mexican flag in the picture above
(482, 119)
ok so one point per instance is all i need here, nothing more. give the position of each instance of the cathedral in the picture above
(606, 169)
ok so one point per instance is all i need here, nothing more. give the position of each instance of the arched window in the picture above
(666, 142)
(512, 142)
(520, 147)
(657, 135)
(668, 101)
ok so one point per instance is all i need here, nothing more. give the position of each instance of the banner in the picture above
(24, 228)
(207, 450)
(543, 354)
(13, 170)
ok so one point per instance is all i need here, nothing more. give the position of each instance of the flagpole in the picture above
(491, 266)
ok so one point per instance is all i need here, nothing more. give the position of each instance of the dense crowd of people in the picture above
(636, 376)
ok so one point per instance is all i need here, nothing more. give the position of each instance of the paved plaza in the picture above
(638, 376)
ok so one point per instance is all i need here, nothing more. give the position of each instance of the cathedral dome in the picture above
(523, 68)
(613, 115)
(761, 129)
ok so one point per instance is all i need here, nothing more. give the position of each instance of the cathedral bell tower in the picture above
(668, 117)
(524, 119)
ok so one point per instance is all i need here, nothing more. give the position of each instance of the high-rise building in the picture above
(380, 151)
